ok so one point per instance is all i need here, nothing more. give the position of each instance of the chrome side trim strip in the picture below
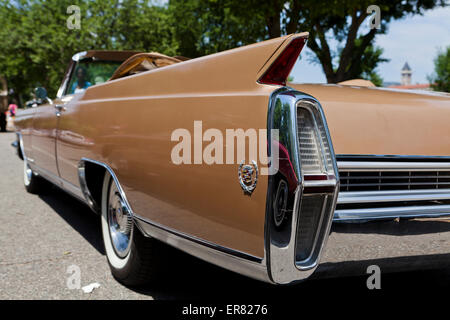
(20, 146)
(392, 213)
(84, 189)
(72, 189)
(392, 166)
(209, 244)
(393, 195)
(223, 257)
(50, 177)
(83, 184)
(59, 182)
(228, 258)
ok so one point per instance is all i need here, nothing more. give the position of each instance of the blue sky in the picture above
(415, 39)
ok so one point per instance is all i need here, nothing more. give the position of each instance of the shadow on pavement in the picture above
(398, 228)
(201, 281)
(77, 215)
(190, 278)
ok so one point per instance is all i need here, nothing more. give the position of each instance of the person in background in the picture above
(12, 110)
(81, 84)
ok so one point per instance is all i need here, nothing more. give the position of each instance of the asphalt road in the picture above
(42, 235)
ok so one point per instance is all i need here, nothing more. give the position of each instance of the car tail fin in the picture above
(281, 64)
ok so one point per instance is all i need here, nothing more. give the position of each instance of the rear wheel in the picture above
(132, 257)
(33, 183)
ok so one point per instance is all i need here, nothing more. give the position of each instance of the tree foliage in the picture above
(440, 81)
(36, 44)
(210, 25)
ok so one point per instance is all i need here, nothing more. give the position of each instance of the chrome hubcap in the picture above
(120, 222)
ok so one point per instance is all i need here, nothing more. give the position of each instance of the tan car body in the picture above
(127, 124)
(373, 121)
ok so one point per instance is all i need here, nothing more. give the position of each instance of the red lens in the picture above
(311, 177)
(282, 66)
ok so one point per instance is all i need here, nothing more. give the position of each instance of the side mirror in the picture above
(41, 93)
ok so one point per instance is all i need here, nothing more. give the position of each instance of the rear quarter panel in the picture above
(128, 123)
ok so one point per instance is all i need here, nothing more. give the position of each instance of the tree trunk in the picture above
(3, 103)
(273, 25)
(3, 94)
(294, 15)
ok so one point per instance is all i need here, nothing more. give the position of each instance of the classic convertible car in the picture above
(344, 176)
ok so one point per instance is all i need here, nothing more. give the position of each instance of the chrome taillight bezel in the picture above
(281, 242)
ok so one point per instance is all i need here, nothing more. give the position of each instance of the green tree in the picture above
(367, 70)
(209, 25)
(36, 44)
(440, 80)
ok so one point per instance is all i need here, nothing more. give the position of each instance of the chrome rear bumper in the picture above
(392, 213)
(375, 224)
(409, 187)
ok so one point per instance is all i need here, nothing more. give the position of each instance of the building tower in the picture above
(406, 75)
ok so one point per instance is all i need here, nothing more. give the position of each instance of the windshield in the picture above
(88, 73)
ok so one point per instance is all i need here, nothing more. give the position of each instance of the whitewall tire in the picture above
(32, 182)
(133, 259)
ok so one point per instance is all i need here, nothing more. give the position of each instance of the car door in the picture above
(45, 124)
(73, 140)
(44, 132)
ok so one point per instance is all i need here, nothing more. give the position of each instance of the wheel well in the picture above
(95, 174)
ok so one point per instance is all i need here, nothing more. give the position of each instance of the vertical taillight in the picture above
(315, 154)
(279, 70)
(319, 182)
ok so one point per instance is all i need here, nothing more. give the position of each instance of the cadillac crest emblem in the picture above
(248, 176)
